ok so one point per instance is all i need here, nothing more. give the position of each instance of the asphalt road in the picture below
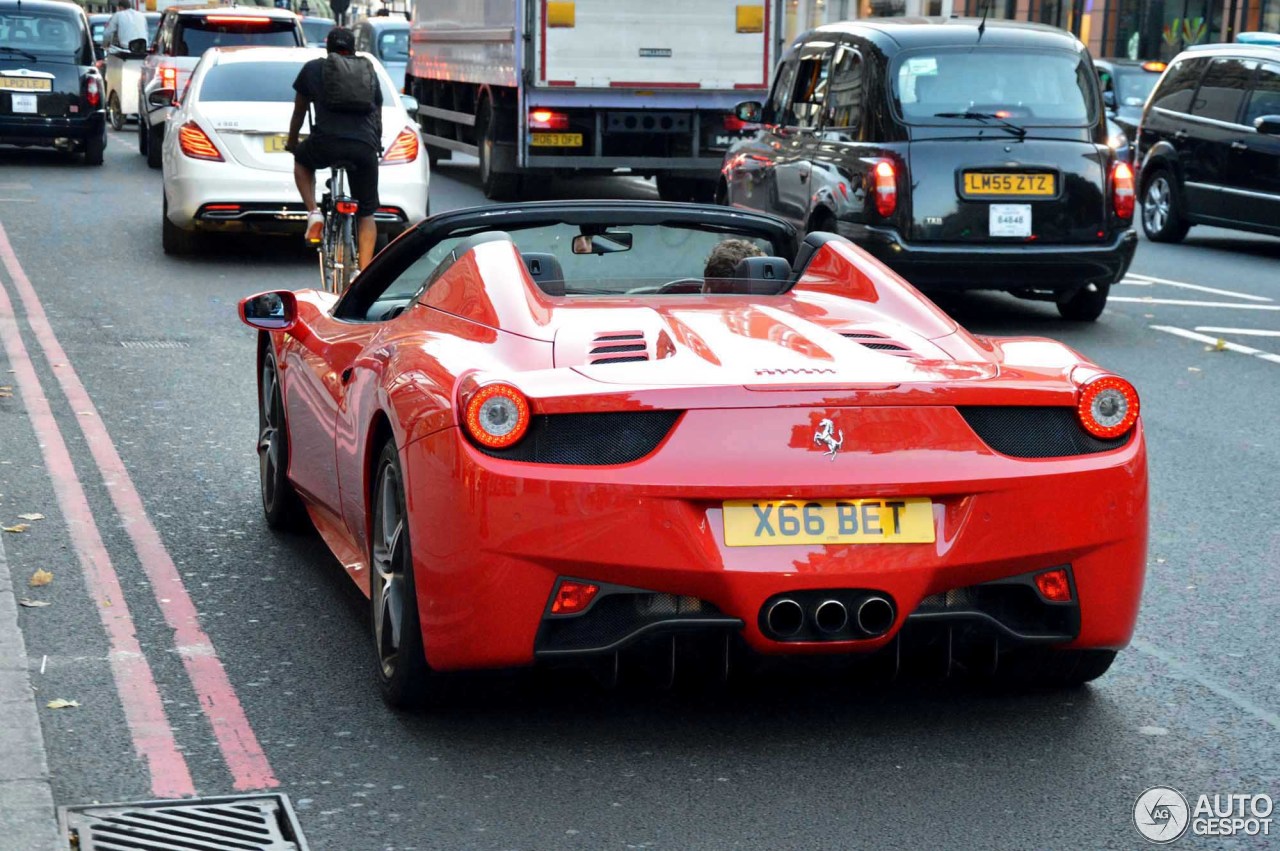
(547, 763)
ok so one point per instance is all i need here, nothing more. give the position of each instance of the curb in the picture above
(28, 819)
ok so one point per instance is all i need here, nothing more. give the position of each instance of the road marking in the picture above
(1146, 280)
(1215, 341)
(1246, 332)
(240, 748)
(1190, 303)
(152, 735)
(1230, 695)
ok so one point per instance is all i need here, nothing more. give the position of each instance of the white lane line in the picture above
(1189, 672)
(1142, 280)
(1214, 341)
(1182, 302)
(1244, 332)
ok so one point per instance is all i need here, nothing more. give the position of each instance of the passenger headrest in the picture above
(762, 275)
(545, 270)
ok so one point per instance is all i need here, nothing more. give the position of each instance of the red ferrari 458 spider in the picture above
(538, 432)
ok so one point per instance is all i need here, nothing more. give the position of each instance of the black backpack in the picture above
(348, 84)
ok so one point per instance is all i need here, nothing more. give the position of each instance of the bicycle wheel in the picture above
(328, 252)
(348, 251)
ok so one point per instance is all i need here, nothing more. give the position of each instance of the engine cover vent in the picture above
(879, 342)
(619, 347)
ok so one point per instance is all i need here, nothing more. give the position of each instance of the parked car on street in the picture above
(51, 94)
(225, 166)
(554, 438)
(185, 34)
(963, 154)
(1209, 145)
(1125, 86)
(388, 40)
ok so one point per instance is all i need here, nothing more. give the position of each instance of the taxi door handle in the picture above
(1239, 146)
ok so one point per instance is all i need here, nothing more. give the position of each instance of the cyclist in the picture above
(341, 132)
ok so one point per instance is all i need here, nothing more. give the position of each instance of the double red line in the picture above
(152, 735)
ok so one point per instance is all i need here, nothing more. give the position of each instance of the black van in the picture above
(963, 154)
(51, 95)
(1209, 143)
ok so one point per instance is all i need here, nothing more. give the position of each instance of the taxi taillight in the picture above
(92, 91)
(1122, 190)
(196, 144)
(885, 184)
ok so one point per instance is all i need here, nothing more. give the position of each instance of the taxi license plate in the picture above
(1000, 183)
(26, 84)
(555, 140)
(763, 523)
(275, 144)
(24, 104)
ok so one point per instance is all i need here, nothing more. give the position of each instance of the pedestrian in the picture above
(126, 28)
(343, 90)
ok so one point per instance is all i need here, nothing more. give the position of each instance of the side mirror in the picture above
(749, 111)
(410, 104)
(610, 242)
(273, 311)
(161, 97)
(1109, 100)
(1269, 124)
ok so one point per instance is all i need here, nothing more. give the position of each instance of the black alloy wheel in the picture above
(1162, 219)
(280, 503)
(403, 675)
(1085, 304)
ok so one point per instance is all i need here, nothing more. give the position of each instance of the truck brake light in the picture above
(545, 119)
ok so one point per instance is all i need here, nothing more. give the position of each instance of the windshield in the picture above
(42, 34)
(393, 46)
(1132, 88)
(1022, 86)
(193, 36)
(153, 24)
(316, 29)
(261, 82)
(662, 259)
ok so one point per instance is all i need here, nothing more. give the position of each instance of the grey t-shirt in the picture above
(338, 125)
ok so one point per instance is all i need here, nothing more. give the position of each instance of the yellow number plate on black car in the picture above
(763, 523)
(556, 140)
(1001, 183)
(26, 84)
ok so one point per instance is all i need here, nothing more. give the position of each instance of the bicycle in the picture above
(339, 254)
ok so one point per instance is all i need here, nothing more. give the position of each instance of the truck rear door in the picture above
(649, 44)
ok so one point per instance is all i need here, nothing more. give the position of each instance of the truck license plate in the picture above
(555, 140)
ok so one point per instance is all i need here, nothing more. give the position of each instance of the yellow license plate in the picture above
(275, 144)
(26, 84)
(555, 140)
(1008, 183)
(763, 523)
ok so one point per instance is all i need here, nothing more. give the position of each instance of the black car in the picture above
(51, 95)
(1209, 144)
(1125, 86)
(964, 155)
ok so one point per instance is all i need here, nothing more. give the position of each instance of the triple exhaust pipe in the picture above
(872, 616)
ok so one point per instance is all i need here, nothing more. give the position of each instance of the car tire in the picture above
(280, 502)
(435, 154)
(1085, 304)
(497, 186)
(404, 679)
(155, 146)
(95, 148)
(1041, 668)
(175, 241)
(113, 111)
(1162, 218)
(142, 136)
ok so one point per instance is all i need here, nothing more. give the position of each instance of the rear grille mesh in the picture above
(619, 347)
(589, 439)
(1035, 432)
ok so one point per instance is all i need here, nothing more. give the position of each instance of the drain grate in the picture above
(154, 344)
(233, 823)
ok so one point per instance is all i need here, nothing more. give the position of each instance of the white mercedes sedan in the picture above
(225, 166)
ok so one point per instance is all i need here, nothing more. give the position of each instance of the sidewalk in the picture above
(27, 817)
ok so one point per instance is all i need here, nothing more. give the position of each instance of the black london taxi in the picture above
(51, 95)
(963, 154)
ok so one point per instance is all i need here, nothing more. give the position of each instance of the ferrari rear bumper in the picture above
(651, 533)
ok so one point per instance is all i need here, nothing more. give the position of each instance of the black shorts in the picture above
(362, 166)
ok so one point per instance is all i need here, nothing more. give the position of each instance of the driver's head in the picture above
(341, 41)
(723, 259)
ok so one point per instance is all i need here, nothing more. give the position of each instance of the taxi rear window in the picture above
(1026, 87)
(194, 35)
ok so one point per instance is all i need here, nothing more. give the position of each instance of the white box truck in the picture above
(542, 87)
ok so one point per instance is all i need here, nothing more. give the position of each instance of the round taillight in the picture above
(1108, 406)
(497, 416)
